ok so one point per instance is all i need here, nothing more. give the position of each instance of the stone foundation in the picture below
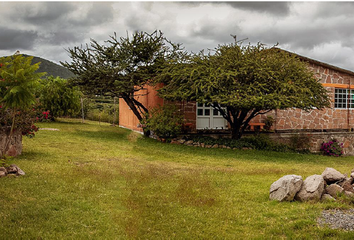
(315, 139)
(15, 147)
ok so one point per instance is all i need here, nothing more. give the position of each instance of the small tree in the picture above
(57, 96)
(242, 82)
(18, 82)
(122, 66)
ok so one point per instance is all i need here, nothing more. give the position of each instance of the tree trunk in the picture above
(136, 112)
(236, 132)
(9, 136)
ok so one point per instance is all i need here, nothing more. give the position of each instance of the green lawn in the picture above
(100, 182)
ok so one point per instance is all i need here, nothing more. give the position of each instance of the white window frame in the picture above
(208, 112)
(341, 98)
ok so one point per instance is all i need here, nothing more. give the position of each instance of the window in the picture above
(343, 98)
(209, 118)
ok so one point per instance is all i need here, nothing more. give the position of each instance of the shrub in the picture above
(164, 122)
(332, 148)
(59, 98)
(259, 142)
(25, 120)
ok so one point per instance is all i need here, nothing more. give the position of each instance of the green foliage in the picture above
(59, 97)
(103, 112)
(247, 80)
(25, 120)
(18, 82)
(332, 148)
(122, 66)
(258, 142)
(165, 121)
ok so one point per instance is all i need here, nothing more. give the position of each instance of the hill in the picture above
(51, 68)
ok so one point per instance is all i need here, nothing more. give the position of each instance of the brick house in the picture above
(339, 83)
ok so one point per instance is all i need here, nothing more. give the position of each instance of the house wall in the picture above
(291, 119)
(329, 118)
(148, 97)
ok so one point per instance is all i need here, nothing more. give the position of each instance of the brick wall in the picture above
(329, 118)
(188, 110)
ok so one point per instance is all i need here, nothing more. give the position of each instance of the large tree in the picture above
(121, 67)
(242, 82)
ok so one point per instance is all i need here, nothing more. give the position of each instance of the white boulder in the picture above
(285, 188)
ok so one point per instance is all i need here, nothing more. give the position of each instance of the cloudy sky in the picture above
(320, 30)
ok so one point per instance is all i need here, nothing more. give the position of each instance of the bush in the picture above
(332, 148)
(164, 122)
(259, 142)
(25, 120)
(59, 98)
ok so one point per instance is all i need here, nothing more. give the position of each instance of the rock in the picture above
(2, 169)
(349, 194)
(208, 146)
(12, 169)
(20, 172)
(334, 190)
(175, 141)
(285, 188)
(181, 141)
(327, 197)
(215, 146)
(352, 173)
(312, 188)
(202, 145)
(347, 185)
(330, 175)
(3, 174)
(189, 143)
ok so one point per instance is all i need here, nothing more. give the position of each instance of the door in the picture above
(209, 118)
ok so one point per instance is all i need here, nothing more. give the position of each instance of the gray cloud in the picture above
(44, 13)
(11, 39)
(274, 8)
(320, 30)
(98, 13)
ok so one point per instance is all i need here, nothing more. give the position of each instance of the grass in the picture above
(100, 182)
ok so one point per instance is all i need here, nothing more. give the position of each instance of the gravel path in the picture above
(337, 219)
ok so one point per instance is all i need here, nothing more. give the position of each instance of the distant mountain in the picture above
(52, 69)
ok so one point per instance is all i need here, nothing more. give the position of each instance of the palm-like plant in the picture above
(18, 81)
